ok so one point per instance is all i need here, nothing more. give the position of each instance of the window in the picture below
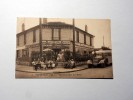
(24, 38)
(109, 54)
(56, 34)
(85, 38)
(24, 52)
(17, 40)
(77, 36)
(90, 41)
(17, 53)
(34, 36)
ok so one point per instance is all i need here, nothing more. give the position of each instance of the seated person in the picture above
(67, 64)
(38, 65)
(43, 65)
(50, 63)
(46, 63)
(34, 63)
(72, 65)
(53, 65)
(58, 59)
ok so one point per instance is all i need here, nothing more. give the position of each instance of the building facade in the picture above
(56, 36)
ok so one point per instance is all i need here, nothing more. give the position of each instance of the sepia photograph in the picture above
(65, 48)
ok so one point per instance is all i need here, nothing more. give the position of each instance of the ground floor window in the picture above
(17, 54)
(25, 52)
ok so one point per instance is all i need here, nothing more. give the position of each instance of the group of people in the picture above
(70, 64)
(60, 57)
(42, 64)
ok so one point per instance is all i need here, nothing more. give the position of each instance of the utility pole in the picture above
(73, 39)
(40, 36)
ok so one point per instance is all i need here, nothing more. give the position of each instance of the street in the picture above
(106, 72)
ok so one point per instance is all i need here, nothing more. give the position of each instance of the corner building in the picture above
(57, 36)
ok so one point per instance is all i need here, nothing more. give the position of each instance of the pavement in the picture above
(30, 69)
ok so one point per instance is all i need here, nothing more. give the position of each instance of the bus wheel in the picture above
(106, 62)
(103, 65)
(89, 65)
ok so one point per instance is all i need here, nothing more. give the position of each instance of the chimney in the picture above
(23, 27)
(86, 28)
(44, 20)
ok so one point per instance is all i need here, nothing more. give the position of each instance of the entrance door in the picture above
(56, 52)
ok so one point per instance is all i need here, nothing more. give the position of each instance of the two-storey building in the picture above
(56, 36)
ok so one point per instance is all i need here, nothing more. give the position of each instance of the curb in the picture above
(52, 72)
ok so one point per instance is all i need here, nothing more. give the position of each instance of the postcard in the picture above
(63, 48)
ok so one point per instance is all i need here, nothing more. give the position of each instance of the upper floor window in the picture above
(17, 40)
(84, 38)
(56, 34)
(18, 54)
(34, 36)
(77, 36)
(90, 41)
(24, 38)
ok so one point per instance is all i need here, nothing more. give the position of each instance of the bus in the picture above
(101, 58)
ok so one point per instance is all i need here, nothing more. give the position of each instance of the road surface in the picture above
(106, 72)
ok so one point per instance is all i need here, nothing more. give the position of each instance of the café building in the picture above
(56, 36)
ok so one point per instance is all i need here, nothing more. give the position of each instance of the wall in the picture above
(47, 34)
(37, 36)
(87, 40)
(81, 37)
(29, 37)
(66, 34)
(21, 40)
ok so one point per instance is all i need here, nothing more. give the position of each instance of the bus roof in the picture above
(103, 51)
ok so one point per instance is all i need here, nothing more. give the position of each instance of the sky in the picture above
(100, 28)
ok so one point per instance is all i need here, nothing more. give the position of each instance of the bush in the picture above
(67, 55)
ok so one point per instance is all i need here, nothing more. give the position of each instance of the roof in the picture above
(56, 24)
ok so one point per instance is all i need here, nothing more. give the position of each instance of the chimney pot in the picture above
(44, 20)
(86, 28)
(23, 27)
